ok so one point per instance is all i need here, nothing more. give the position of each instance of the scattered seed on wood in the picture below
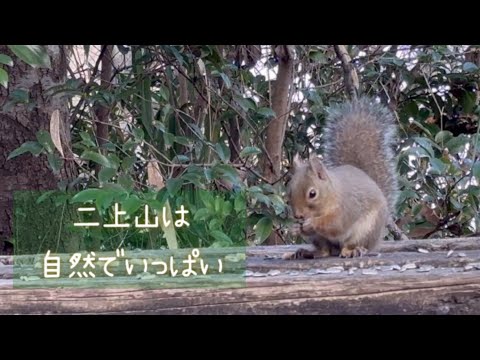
(146, 276)
(29, 278)
(336, 269)
(259, 274)
(408, 266)
(425, 268)
(274, 272)
(386, 267)
(331, 270)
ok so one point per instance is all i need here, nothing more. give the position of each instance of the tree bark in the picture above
(280, 105)
(21, 122)
(275, 133)
(103, 111)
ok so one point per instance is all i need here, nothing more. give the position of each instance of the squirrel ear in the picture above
(318, 168)
(297, 161)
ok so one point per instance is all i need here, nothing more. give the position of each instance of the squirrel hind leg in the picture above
(366, 234)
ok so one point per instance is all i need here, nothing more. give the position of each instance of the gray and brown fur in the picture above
(355, 186)
(362, 134)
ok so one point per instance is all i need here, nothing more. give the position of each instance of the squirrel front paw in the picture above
(296, 229)
(307, 226)
(348, 252)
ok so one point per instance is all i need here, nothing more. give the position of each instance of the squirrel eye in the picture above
(312, 194)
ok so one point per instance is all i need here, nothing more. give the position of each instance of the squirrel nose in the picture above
(299, 216)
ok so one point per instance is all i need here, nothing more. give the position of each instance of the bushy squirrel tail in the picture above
(362, 133)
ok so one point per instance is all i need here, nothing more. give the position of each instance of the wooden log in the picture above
(402, 280)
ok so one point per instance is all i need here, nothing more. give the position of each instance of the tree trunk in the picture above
(19, 123)
(275, 133)
(102, 111)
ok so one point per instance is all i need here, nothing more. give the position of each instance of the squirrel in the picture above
(344, 203)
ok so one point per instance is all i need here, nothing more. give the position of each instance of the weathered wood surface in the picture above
(403, 279)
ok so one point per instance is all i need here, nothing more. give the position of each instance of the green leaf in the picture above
(245, 104)
(262, 198)
(104, 200)
(128, 162)
(30, 146)
(173, 185)
(3, 78)
(44, 196)
(223, 151)
(249, 150)
(457, 144)
(193, 178)
(114, 161)
(240, 203)
(443, 136)
(476, 170)
(34, 55)
(45, 140)
(207, 199)
(267, 112)
(201, 214)
(422, 127)
(168, 139)
(6, 60)
(470, 67)
(97, 157)
(139, 134)
(317, 56)
(221, 237)
(214, 224)
(106, 174)
(226, 170)
(426, 144)
(181, 159)
(268, 188)
(164, 93)
(277, 203)
(86, 139)
(263, 229)
(226, 208)
(438, 166)
(218, 204)
(226, 80)
(208, 174)
(132, 204)
(125, 181)
(85, 195)
(55, 162)
(468, 101)
(182, 140)
(162, 197)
